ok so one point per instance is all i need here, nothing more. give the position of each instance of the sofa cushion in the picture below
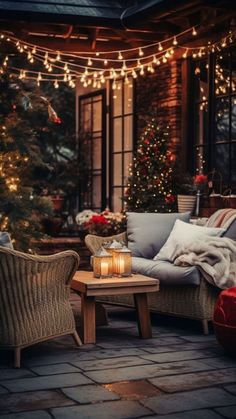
(182, 235)
(166, 272)
(5, 240)
(147, 232)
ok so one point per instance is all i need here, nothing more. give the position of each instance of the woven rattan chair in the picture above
(189, 301)
(34, 298)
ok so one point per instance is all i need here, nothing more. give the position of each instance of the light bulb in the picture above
(160, 47)
(90, 61)
(140, 52)
(175, 42)
(194, 32)
(120, 56)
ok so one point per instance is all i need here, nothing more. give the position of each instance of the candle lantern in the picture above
(123, 261)
(112, 248)
(102, 264)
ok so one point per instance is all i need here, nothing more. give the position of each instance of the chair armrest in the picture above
(94, 242)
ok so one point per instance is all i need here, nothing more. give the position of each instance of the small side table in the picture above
(89, 288)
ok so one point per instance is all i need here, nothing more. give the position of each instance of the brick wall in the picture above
(159, 95)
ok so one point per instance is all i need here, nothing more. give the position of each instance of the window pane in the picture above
(117, 98)
(127, 161)
(128, 133)
(201, 123)
(222, 119)
(200, 160)
(97, 115)
(201, 80)
(86, 117)
(117, 134)
(97, 161)
(222, 74)
(128, 97)
(97, 192)
(116, 199)
(233, 167)
(117, 169)
(221, 160)
(233, 118)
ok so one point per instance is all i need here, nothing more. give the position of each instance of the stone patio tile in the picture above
(58, 359)
(191, 400)
(122, 409)
(199, 338)
(13, 374)
(195, 414)
(231, 388)
(227, 412)
(54, 369)
(183, 347)
(3, 390)
(221, 362)
(133, 389)
(114, 342)
(177, 356)
(145, 371)
(39, 414)
(89, 394)
(19, 402)
(184, 382)
(112, 353)
(124, 361)
(46, 382)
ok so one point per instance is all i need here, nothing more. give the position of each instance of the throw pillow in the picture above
(147, 232)
(182, 235)
(5, 240)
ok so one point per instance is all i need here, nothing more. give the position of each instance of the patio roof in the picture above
(92, 25)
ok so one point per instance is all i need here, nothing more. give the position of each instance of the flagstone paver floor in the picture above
(178, 374)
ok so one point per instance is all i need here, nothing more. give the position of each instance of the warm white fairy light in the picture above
(175, 42)
(140, 52)
(56, 85)
(129, 65)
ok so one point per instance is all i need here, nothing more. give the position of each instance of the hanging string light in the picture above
(128, 67)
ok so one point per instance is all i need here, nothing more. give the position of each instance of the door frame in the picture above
(101, 92)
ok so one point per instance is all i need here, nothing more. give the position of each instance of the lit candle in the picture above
(121, 265)
(104, 268)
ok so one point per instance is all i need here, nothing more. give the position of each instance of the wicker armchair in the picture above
(190, 301)
(34, 298)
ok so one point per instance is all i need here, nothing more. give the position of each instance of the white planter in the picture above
(186, 203)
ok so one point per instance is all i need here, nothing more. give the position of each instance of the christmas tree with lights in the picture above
(150, 183)
(21, 208)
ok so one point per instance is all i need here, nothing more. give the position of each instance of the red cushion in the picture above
(224, 319)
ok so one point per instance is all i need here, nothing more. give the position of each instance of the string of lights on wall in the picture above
(95, 68)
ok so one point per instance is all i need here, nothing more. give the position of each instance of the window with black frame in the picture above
(121, 145)
(215, 116)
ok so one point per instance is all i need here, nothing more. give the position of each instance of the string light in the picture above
(129, 65)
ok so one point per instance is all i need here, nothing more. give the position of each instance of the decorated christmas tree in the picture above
(21, 208)
(149, 187)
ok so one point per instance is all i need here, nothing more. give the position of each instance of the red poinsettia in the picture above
(200, 180)
(170, 199)
(98, 219)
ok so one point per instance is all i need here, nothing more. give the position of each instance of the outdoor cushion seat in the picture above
(183, 290)
(166, 272)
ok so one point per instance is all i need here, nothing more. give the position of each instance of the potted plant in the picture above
(185, 190)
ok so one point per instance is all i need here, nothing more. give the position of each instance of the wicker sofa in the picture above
(182, 300)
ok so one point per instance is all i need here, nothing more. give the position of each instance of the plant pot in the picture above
(57, 202)
(216, 201)
(230, 201)
(186, 203)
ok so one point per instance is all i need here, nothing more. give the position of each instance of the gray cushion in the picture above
(231, 231)
(147, 232)
(5, 240)
(166, 272)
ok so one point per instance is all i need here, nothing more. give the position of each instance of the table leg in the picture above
(88, 319)
(143, 314)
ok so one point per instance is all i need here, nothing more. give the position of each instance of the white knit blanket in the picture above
(215, 257)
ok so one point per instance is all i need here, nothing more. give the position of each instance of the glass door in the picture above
(92, 112)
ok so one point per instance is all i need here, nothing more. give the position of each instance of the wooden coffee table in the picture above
(89, 288)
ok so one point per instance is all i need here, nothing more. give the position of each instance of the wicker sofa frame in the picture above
(190, 301)
(34, 299)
